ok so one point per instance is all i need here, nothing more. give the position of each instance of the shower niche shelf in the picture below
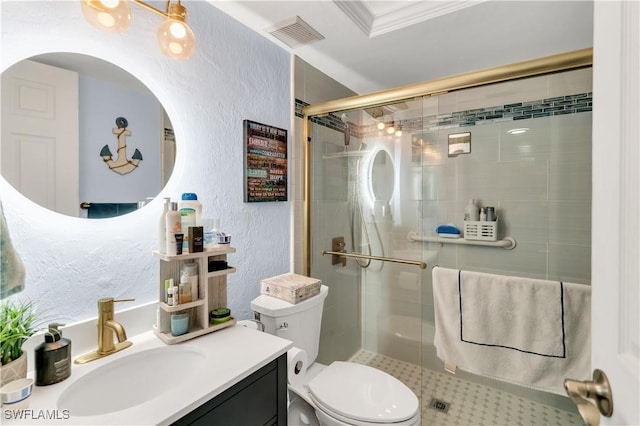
(507, 243)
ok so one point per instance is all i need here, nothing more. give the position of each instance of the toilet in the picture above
(342, 393)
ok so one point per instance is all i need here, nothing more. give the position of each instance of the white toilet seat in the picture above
(328, 417)
(357, 394)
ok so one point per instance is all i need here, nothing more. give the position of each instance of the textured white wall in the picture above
(235, 74)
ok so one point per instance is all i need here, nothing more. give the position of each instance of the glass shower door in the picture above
(332, 171)
(367, 191)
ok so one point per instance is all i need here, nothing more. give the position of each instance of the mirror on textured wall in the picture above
(83, 137)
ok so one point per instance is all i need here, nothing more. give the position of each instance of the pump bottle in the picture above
(53, 357)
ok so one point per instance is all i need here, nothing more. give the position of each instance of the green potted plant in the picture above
(17, 324)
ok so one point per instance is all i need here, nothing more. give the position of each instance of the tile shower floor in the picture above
(470, 403)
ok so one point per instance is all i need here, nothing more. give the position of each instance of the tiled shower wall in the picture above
(539, 181)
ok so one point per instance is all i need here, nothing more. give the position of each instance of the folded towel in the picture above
(530, 332)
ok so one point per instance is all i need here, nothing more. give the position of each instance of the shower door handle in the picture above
(592, 397)
(338, 245)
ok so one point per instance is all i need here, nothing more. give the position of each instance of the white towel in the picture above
(533, 333)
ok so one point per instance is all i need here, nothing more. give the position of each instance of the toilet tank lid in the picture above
(274, 307)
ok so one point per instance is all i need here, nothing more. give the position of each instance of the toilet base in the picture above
(299, 413)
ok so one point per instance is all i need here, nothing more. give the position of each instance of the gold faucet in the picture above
(106, 328)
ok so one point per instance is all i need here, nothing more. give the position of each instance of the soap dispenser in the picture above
(53, 357)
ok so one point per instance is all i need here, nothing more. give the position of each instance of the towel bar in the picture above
(507, 243)
(422, 265)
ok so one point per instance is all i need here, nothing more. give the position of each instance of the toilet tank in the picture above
(298, 322)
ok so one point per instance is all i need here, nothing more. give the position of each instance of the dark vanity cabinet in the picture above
(260, 399)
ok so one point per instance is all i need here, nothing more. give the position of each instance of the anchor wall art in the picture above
(121, 164)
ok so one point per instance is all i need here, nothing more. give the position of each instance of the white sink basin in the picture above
(131, 380)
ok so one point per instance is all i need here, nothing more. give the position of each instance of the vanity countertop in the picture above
(232, 354)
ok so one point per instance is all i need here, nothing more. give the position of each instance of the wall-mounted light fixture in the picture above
(175, 38)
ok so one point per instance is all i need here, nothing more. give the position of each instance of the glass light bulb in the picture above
(391, 129)
(176, 39)
(108, 15)
(380, 125)
(399, 133)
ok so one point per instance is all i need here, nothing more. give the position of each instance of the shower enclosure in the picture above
(383, 171)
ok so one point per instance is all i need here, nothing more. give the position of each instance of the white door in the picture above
(39, 153)
(616, 192)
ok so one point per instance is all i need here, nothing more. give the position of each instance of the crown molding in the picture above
(404, 15)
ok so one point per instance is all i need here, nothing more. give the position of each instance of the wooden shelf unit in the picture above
(212, 292)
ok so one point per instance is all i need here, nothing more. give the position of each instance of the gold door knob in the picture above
(591, 397)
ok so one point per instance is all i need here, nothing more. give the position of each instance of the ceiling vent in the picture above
(294, 32)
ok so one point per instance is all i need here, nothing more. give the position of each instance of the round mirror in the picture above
(82, 137)
(381, 176)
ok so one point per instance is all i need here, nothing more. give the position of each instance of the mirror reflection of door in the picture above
(40, 134)
(58, 112)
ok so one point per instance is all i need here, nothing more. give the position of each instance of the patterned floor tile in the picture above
(471, 404)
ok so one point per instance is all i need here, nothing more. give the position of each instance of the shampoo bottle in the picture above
(471, 212)
(53, 357)
(162, 230)
(174, 226)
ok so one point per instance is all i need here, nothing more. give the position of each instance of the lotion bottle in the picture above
(190, 210)
(162, 229)
(174, 226)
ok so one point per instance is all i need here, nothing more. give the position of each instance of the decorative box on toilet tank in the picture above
(290, 287)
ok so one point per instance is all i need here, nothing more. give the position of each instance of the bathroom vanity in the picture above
(260, 399)
(234, 376)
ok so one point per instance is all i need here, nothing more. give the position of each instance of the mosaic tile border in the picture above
(541, 108)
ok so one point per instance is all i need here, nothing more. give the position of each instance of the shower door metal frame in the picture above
(550, 64)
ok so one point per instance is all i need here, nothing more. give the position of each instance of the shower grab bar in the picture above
(422, 265)
(507, 243)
